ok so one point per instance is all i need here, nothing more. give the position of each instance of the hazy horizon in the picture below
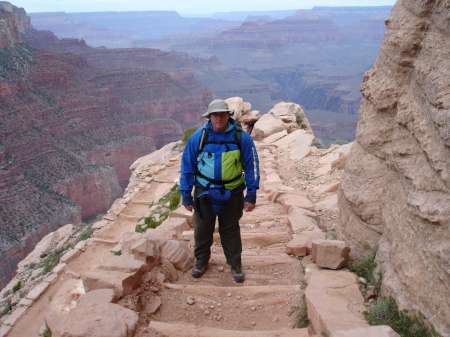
(201, 7)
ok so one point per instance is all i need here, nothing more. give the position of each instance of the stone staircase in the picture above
(216, 305)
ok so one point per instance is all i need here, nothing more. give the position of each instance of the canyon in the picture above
(386, 193)
(69, 132)
(315, 58)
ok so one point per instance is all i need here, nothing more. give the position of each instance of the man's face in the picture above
(219, 121)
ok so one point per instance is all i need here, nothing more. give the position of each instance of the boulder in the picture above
(301, 244)
(332, 254)
(267, 125)
(99, 320)
(122, 283)
(179, 254)
(143, 246)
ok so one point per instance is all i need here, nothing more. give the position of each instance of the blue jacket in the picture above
(214, 162)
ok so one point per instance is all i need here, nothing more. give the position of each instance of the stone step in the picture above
(258, 258)
(189, 330)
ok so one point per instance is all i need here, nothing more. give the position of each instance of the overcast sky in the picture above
(184, 6)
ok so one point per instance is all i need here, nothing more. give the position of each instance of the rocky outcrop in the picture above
(395, 193)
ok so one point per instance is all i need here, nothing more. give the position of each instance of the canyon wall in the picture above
(395, 192)
(70, 131)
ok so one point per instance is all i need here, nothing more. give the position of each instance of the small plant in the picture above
(118, 253)
(52, 261)
(385, 312)
(317, 143)
(16, 287)
(5, 311)
(365, 267)
(47, 333)
(187, 134)
(301, 315)
(298, 118)
(175, 201)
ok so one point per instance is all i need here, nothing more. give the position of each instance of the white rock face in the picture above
(395, 192)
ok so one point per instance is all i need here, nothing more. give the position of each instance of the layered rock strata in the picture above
(395, 192)
(69, 132)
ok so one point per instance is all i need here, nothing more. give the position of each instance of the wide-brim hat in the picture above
(218, 105)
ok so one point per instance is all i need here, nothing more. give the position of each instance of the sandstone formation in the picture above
(395, 193)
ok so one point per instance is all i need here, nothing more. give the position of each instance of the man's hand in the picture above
(248, 207)
(188, 207)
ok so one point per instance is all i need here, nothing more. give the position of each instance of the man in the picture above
(215, 167)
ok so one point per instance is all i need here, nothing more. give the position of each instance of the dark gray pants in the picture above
(229, 230)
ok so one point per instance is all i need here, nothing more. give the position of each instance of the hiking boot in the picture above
(198, 271)
(238, 274)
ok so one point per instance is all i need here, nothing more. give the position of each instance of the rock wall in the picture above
(395, 192)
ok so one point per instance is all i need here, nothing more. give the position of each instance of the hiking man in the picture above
(214, 160)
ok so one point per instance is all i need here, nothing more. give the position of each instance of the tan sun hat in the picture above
(218, 105)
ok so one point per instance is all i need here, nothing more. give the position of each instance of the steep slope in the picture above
(69, 133)
(395, 193)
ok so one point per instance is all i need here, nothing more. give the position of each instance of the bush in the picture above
(385, 312)
(5, 311)
(298, 118)
(317, 143)
(187, 134)
(17, 286)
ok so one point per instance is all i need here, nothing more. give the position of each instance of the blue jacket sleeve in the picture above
(250, 159)
(189, 167)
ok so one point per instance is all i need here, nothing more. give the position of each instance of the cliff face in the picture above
(69, 132)
(395, 192)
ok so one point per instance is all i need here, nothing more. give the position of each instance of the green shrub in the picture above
(17, 286)
(298, 118)
(187, 134)
(365, 268)
(317, 143)
(385, 312)
(5, 311)
(175, 201)
(118, 253)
